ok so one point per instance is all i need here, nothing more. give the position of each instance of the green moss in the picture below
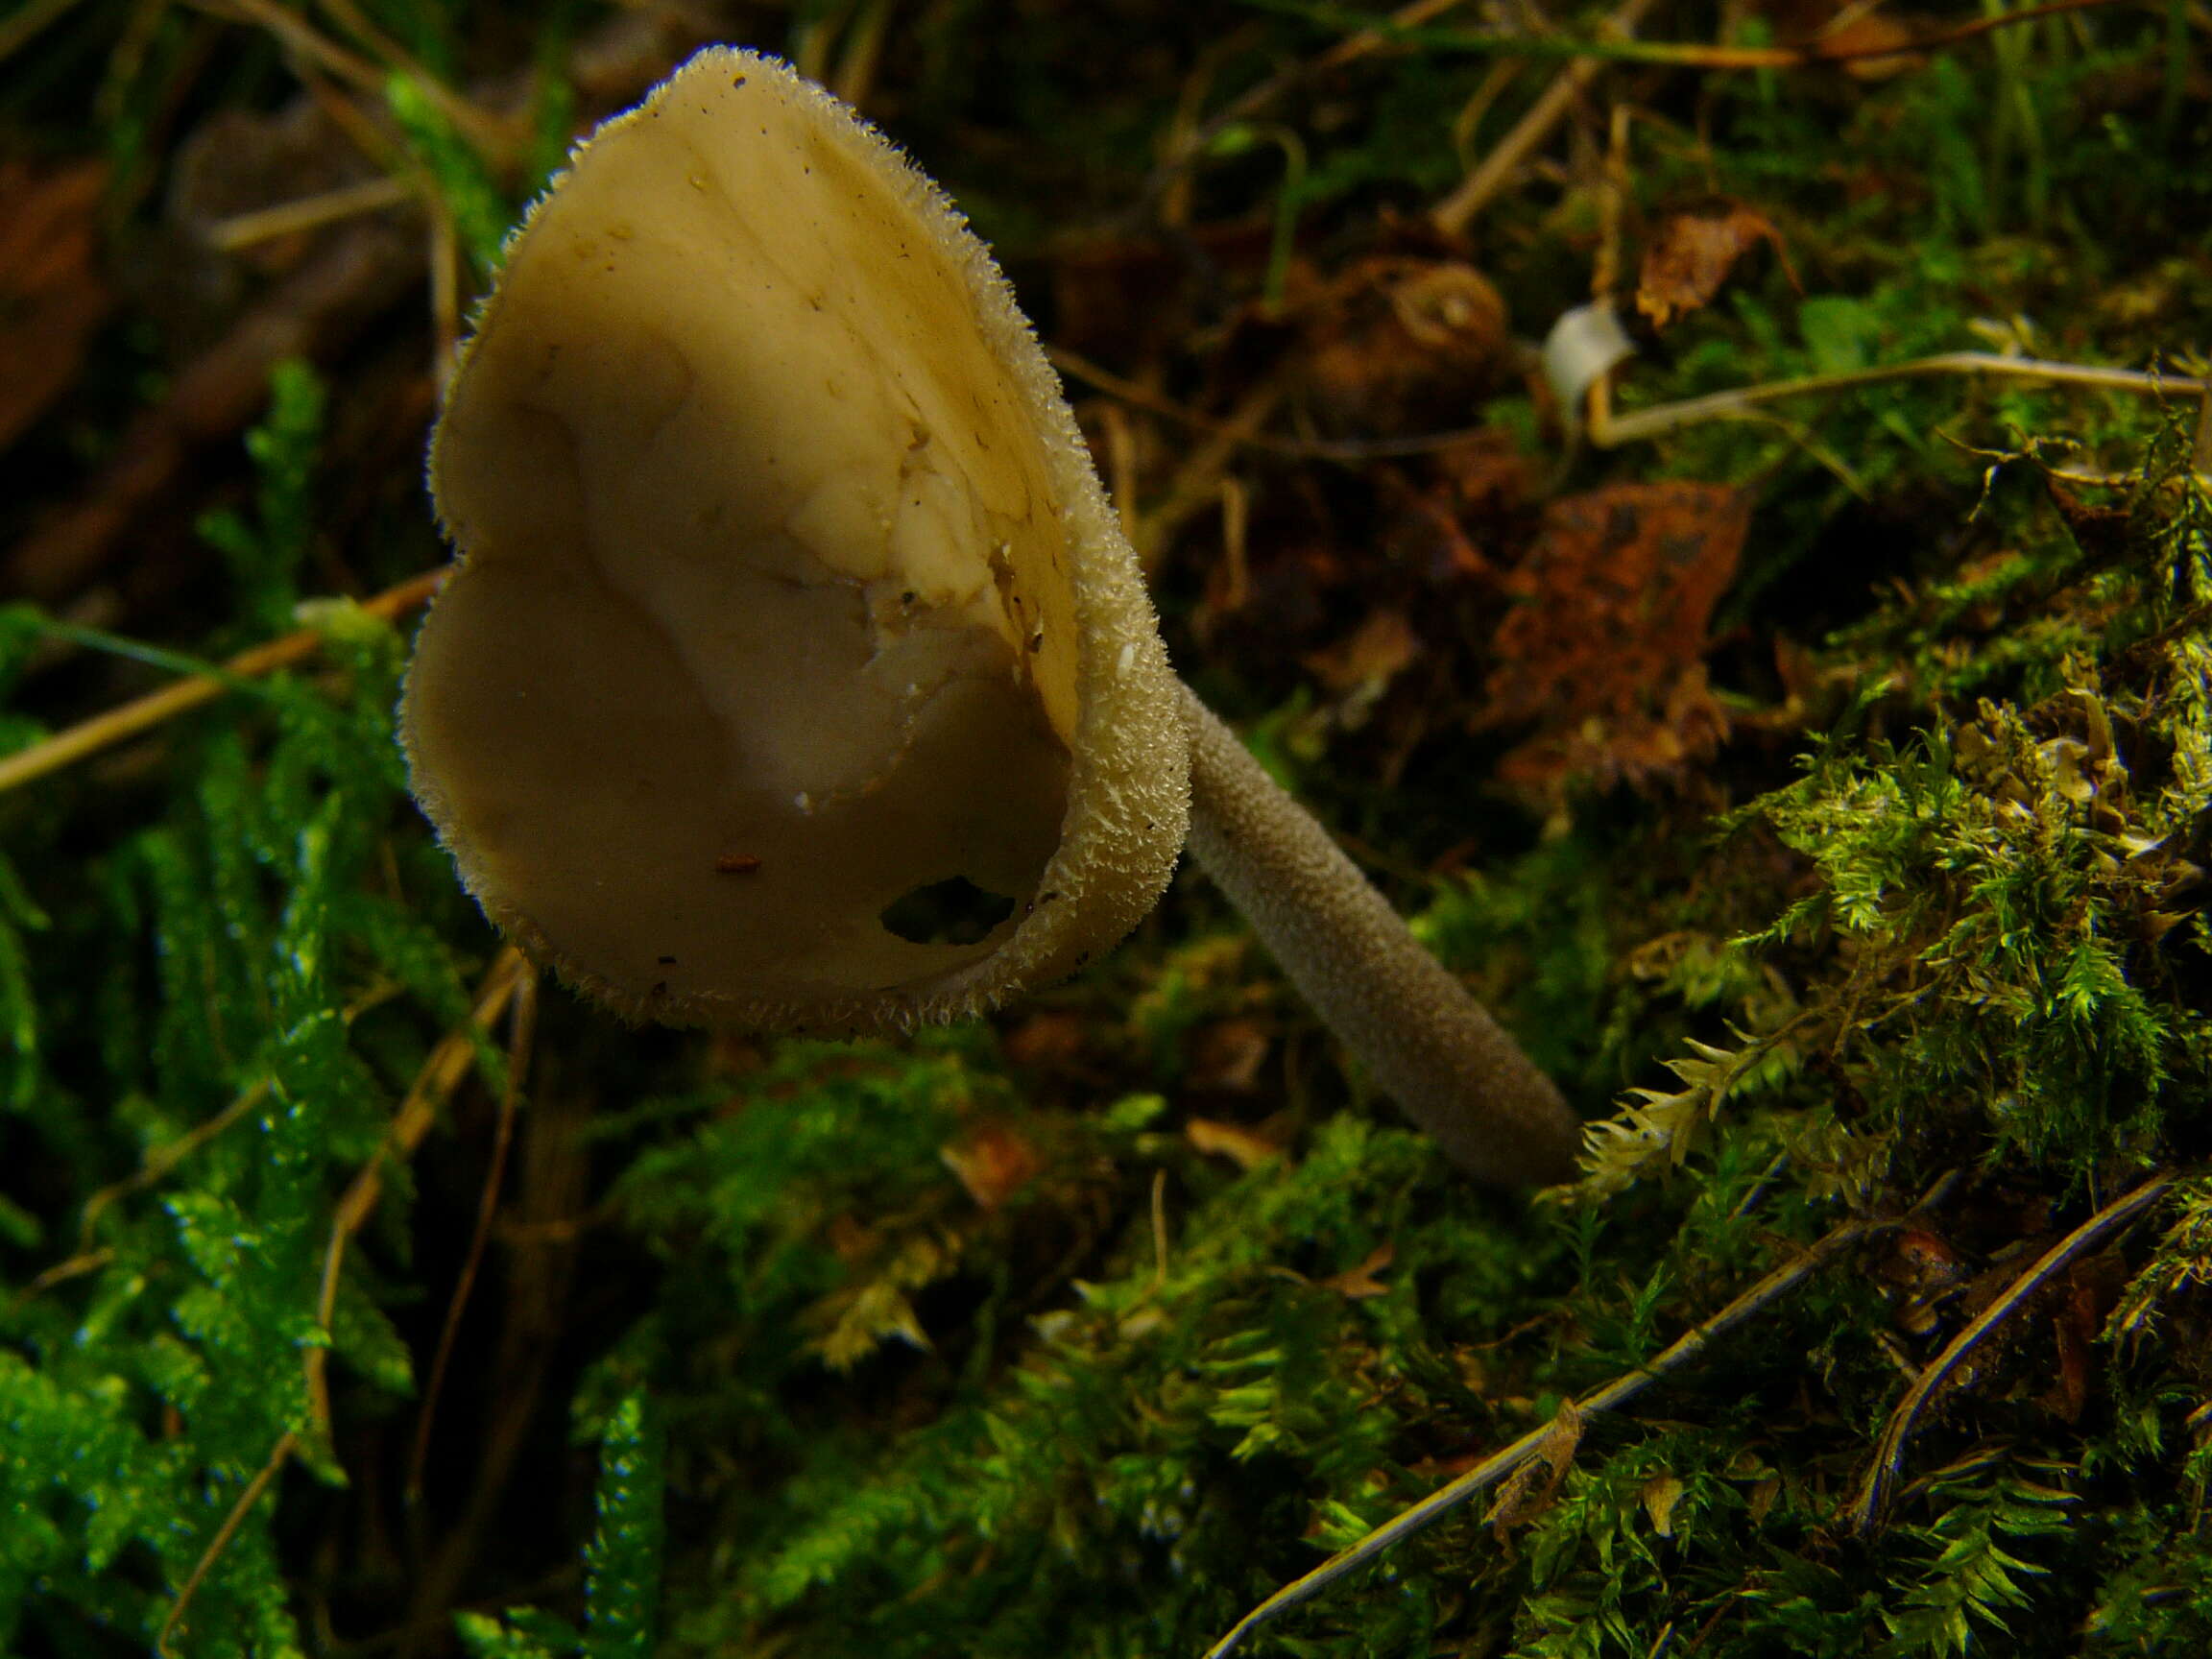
(961, 1343)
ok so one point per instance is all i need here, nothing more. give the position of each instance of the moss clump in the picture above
(347, 1308)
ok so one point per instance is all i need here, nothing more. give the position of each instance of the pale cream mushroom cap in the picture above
(786, 589)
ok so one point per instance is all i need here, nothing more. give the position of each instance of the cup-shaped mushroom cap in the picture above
(794, 670)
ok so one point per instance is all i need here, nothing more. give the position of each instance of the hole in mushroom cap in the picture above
(950, 912)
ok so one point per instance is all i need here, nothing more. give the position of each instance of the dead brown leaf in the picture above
(992, 1161)
(1869, 33)
(1131, 302)
(1357, 1284)
(2100, 531)
(1398, 345)
(1605, 649)
(1661, 1494)
(1228, 1054)
(1692, 253)
(1373, 654)
(1843, 29)
(1761, 1503)
(2092, 1288)
(52, 293)
(1241, 1143)
(1047, 1040)
(1528, 1491)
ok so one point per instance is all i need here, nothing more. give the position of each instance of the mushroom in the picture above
(795, 672)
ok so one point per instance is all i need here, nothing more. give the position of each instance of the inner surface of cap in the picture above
(757, 683)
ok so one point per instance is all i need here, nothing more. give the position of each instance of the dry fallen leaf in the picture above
(1605, 649)
(992, 1161)
(1661, 1494)
(1227, 1055)
(1245, 1147)
(1372, 654)
(1761, 1503)
(1528, 1492)
(52, 295)
(1048, 1038)
(1691, 254)
(1357, 1284)
(1397, 344)
(1865, 34)
(2091, 1290)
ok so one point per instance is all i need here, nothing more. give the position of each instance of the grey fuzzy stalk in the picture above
(1421, 1036)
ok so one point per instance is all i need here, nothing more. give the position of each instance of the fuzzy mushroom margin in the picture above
(786, 591)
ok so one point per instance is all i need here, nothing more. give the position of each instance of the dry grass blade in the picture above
(1241, 430)
(21, 29)
(84, 740)
(1480, 187)
(1484, 183)
(1610, 1398)
(520, 1031)
(449, 1063)
(1873, 1498)
(1608, 430)
(309, 213)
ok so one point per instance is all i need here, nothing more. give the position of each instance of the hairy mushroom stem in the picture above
(1422, 1036)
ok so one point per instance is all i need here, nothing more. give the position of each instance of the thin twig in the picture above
(164, 1158)
(287, 1443)
(1158, 1229)
(1350, 450)
(1479, 187)
(445, 268)
(1608, 431)
(520, 1029)
(1406, 27)
(1482, 187)
(449, 1063)
(20, 29)
(1874, 1496)
(302, 39)
(158, 1163)
(1614, 1395)
(61, 1272)
(1815, 53)
(308, 213)
(90, 1259)
(88, 737)
(1200, 137)
(484, 132)
(1675, 54)
(441, 1074)
(494, 137)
